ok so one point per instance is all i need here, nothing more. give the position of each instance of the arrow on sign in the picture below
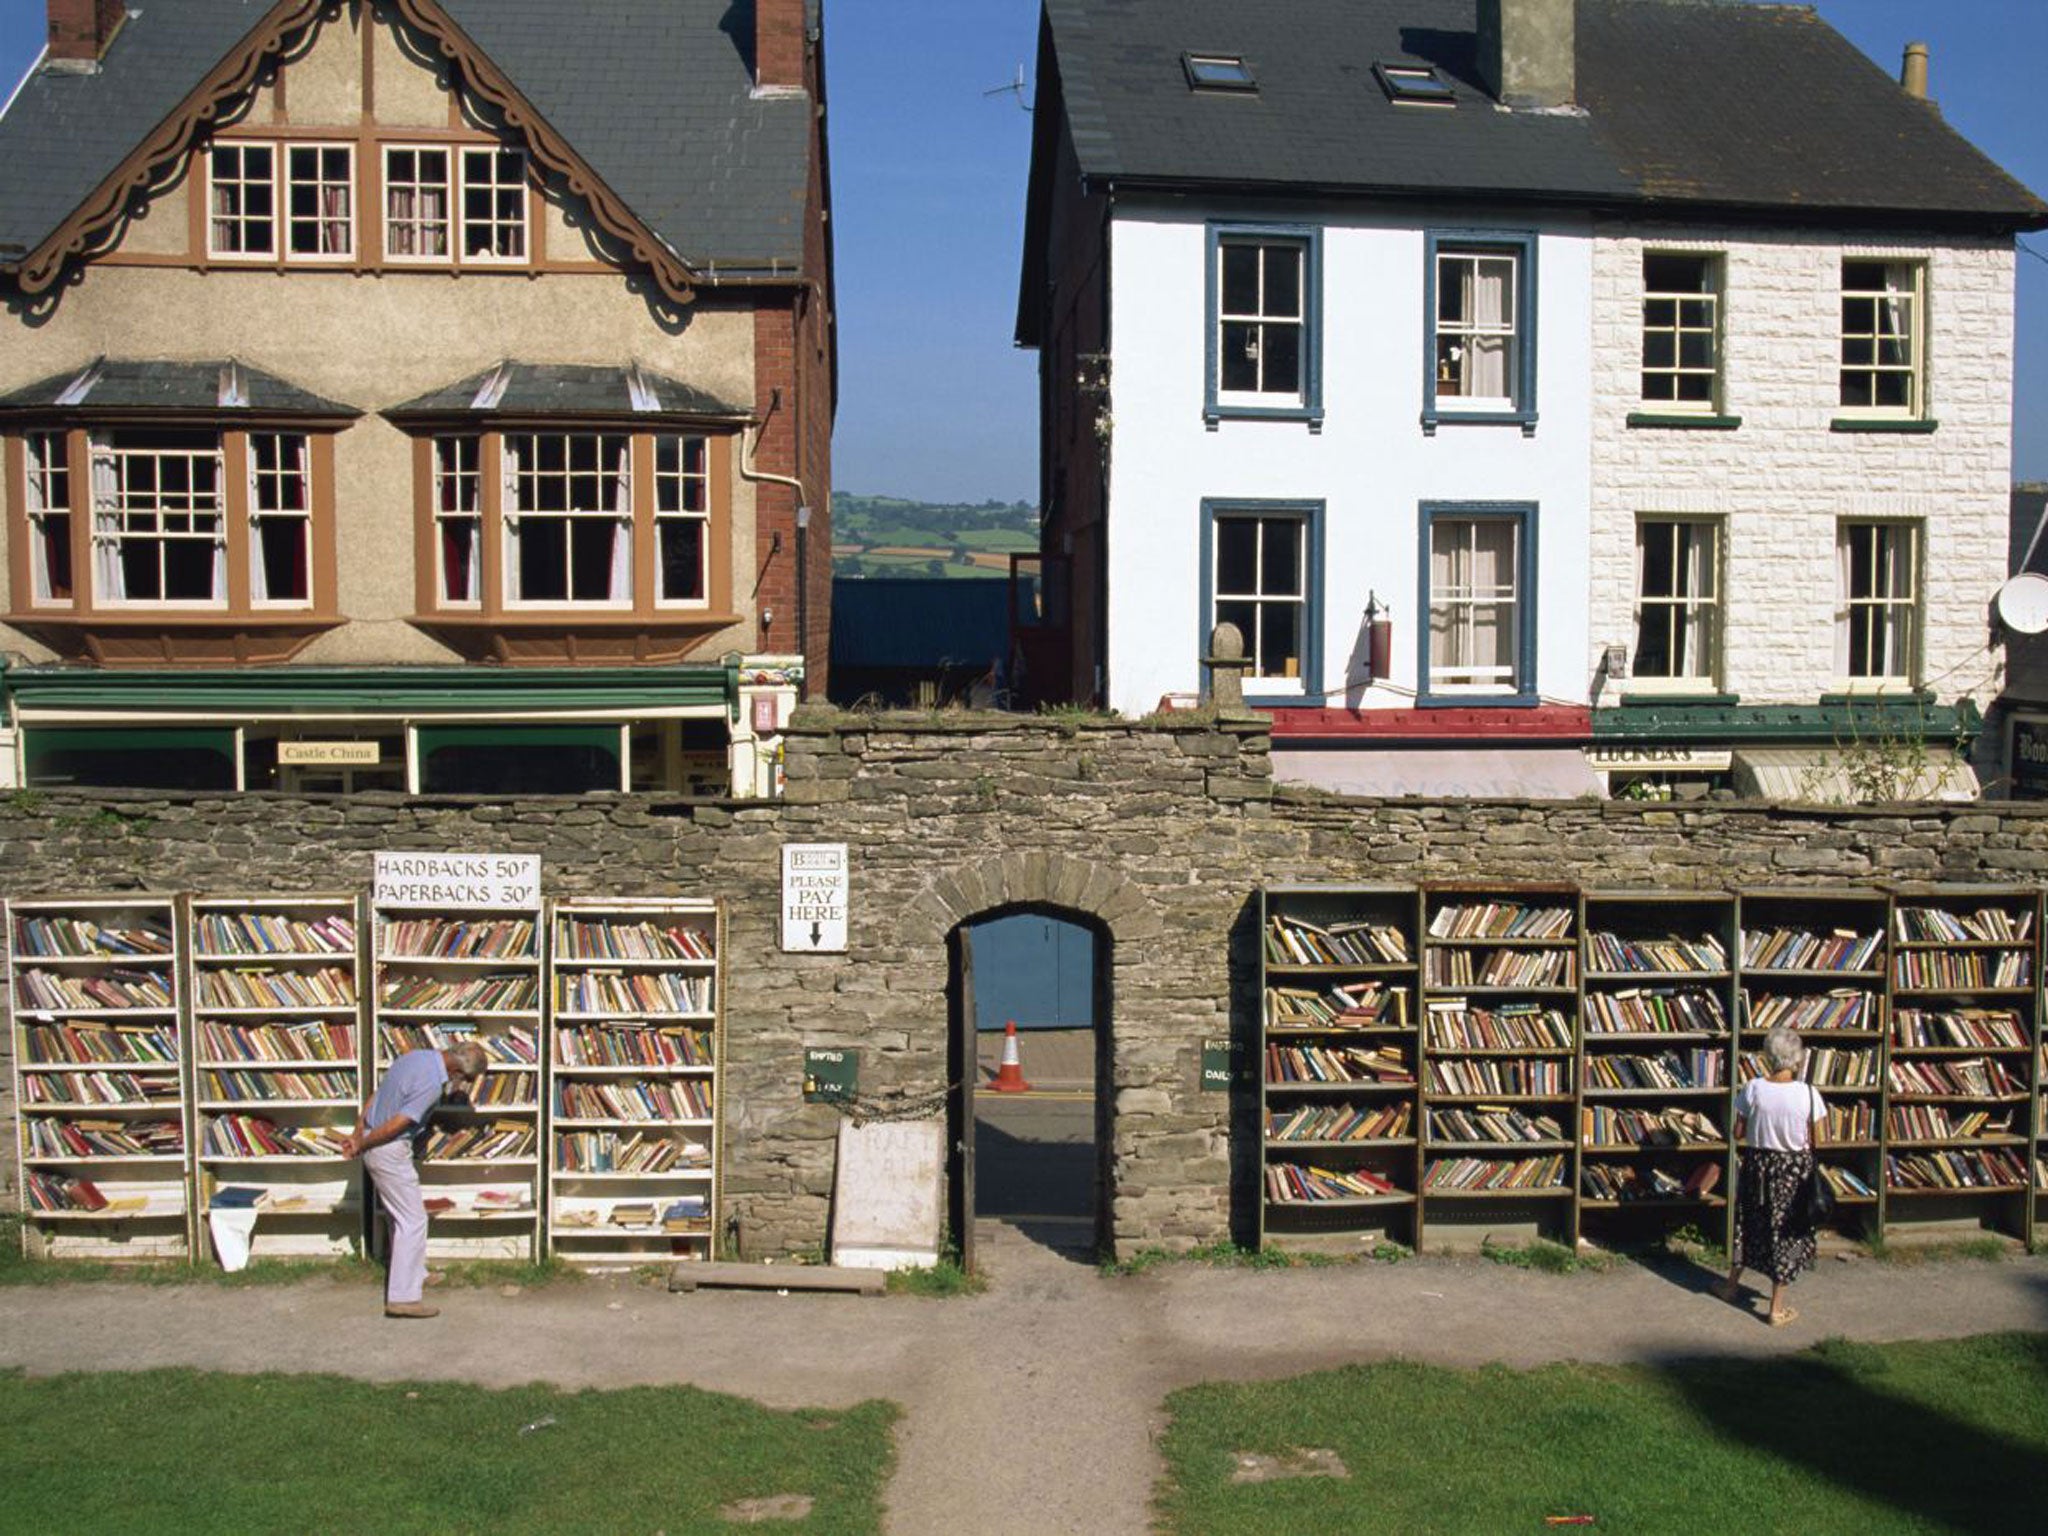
(817, 934)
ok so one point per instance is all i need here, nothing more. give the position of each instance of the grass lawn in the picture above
(177, 1451)
(1852, 1438)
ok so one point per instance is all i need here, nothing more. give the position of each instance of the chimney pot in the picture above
(81, 29)
(1528, 51)
(1913, 71)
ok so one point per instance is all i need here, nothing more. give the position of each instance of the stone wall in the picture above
(1158, 835)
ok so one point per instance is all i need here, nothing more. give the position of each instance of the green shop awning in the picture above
(129, 758)
(518, 759)
(1828, 722)
(398, 691)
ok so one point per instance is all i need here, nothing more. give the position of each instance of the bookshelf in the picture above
(104, 1123)
(1500, 988)
(1656, 1081)
(633, 1054)
(443, 975)
(1339, 1112)
(1817, 960)
(1961, 1070)
(277, 1065)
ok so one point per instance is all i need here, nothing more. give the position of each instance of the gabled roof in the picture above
(655, 97)
(114, 386)
(1686, 104)
(566, 389)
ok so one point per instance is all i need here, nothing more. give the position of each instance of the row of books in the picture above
(516, 992)
(274, 933)
(1294, 941)
(1500, 967)
(1700, 1068)
(632, 992)
(312, 1041)
(1962, 971)
(613, 939)
(50, 1137)
(633, 1152)
(1501, 920)
(629, 1043)
(1796, 949)
(1453, 1025)
(1987, 925)
(1342, 1122)
(1958, 1028)
(1358, 1005)
(505, 1090)
(1612, 952)
(228, 1083)
(85, 938)
(1486, 1173)
(490, 1142)
(1846, 1182)
(1853, 1121)
(1491, 1122)
(1930, 1122)
(48, 990)
(88, 1043)
(1977, 1168)
(486, 1200)
(255, 1136)
(513, 1047)
(1655, 1011)
(456, 938)
(1302, 1184)
(328, 987)
(1605, 1126)
(1973, 1076)
(1337, 1064)
(680, 1098)
(1547, 1078)
(54, 1192)
(1825, 1068)
(1844, 1009)
(100, 1088)
(684, 1217)
(1624, 1183)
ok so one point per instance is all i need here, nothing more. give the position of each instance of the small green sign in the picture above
(830, 1076)
(1220, 1066)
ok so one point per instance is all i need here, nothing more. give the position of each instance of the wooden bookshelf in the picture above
(104, 1122)
(633, 1092)
(1656, 1077)
(1960, 1078)
(277, 1065)
(444, 975)
(1500, 993)
(1818, 960)
(1339, 1115)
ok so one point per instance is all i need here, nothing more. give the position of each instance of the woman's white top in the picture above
(1778, 1115)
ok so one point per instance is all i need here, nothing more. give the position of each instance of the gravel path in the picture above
(1032, 1408)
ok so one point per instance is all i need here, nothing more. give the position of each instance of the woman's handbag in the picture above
(1814, 1206)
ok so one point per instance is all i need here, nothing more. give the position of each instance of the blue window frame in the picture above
(1264, 294)
(1262, 570)
(1477, 603)
(1479, 328)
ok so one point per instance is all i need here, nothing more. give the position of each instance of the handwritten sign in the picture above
(830, 1077)
(1221, 1066)
(494, 880)
(815, 895)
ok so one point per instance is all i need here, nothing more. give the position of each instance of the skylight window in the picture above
(1414, 85)
(1218, 72)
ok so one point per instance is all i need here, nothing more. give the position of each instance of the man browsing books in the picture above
(392, 1126)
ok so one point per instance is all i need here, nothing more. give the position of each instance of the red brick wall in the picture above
(79, 29)
(779, 42)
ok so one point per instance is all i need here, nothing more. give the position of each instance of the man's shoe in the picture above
(410, 1309)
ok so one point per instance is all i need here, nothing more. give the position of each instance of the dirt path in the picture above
(1032, 1408)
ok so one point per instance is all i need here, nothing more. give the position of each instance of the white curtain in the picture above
(1486, 310)
(1692, 576)
(1472, 609)
(509, 500)
(285, 499)
(219, 590)
(106, 525)
(622, 528)
(401, 214)
(334, 240)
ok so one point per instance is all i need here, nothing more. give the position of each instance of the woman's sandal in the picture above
(1729, 1292)
(1780, 1319)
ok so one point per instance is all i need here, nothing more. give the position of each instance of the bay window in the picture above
(158, 526)
(48, 483)
(568, 519)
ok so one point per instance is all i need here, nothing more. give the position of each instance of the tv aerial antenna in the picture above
(1014, 88)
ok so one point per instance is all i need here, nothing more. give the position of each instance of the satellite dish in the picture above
(2022, 603)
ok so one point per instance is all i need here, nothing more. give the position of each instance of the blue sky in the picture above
(928, 188)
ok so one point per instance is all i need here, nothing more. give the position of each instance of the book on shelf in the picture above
(87, 1042)
(496, 1141)
(1453, 1024)
(687, 1214)
(1623, 1183)
(1608, 951)
(1501, 920)
(1844, 1008)
(48, 1136)
(632, 992)
(60, 936)
(1383, 1120)
(1928, 970)
(230, 1083)
(240, 1135)
(1845, 1182)
(1955, 1169)
(438, 1205)
(451, 938)
(1698, 1068)
(633, 1099)
(1799, 949)
(1546, 1078)
(1931, 1122)
(1605, 1126)
(269, 933)
(1491, 1122)
(638, 1152)
(238, 1197)
(1490, 1174)
(1296, 941)
(1852, 1121)
(633, 1043)
(1655, 1011)
(1825, 1067)
(1500, 967)
(98, 1087)
(634, 1213)
(1969, 1077)
(1958, 1029)
(511, 992)
(509, 1047)
(1987, 925)
(39, 990)
(46, 1192)
(1305, 1184)
(323, 1040)
(256, 987)
(1337, 1064)
(1358, 1006)
(592, 938)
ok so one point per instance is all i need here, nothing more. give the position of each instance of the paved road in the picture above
(1031, 1409)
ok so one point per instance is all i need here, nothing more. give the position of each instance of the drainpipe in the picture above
(762, 476)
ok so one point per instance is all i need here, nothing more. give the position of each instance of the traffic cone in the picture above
(1010, 1076)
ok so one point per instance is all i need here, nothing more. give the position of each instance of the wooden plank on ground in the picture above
(777, 1277)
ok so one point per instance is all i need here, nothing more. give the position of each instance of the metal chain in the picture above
(863, 1109)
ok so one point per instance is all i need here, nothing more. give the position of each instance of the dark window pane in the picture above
(1863, 275)
(281, 546)
(592, 540)
(1696, 349)
(682, 560)
(1675, 274)
(1237, 554)
(1695, 387)
(1283, 282)
(1282, 574)
(1243, 615)
(543, 547)
(1238, 366)
(1659, 564)
(1240, 279)
(1282, 372)
(1894, 389)
(57, 552)
(140, 577)
(1653, 642)
(1659, 349)
(188, 571)
(1280, 640)
(1659, 386)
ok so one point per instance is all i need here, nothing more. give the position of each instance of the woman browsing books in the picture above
(1776, 1119)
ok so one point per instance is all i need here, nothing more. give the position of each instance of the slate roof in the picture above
(114, 385)
(656, 95)
(1687, 102)
(566, 389)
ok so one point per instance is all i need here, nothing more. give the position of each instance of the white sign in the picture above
(504, 880)
(1703, 758)
(815, 890)
(885, 1198)
(356, 753)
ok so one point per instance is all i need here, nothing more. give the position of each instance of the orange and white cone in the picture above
(1010, 1075)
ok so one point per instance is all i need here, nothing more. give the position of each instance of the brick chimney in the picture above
(1528, 52)
(81, 29)
(778, 44)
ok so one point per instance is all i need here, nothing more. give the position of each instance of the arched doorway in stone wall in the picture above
(1037, 1160)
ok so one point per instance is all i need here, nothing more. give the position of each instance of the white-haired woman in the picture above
(1777, 1119)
